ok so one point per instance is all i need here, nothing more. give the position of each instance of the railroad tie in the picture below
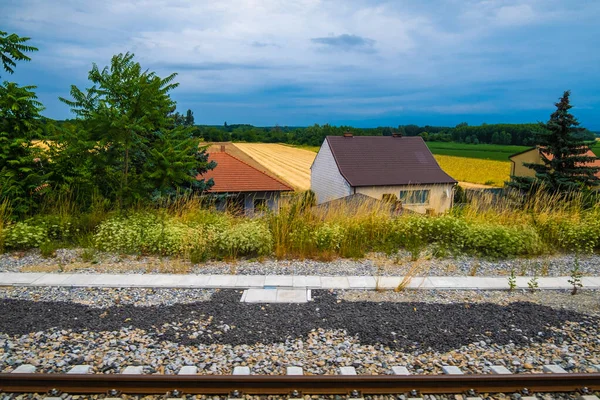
(24, 369)
(500, 370)
(80, 369)
(347, 371)
(294, 371)
(241, 370)
(554, 369)
(133, 370)
(188, 370)
(400, 370)
(451, 370)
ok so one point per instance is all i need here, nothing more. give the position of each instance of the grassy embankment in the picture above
(189, 230)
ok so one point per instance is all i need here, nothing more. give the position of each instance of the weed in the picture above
(575, 277)
(48, 249)
(512, 280)
(545, 268)
(89, 254)
(474, 268)
(533, 282)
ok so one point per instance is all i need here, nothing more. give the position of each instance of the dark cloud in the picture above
(346, 42)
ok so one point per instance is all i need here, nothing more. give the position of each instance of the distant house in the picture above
(381, 166)
(533, 156)
(240, 187)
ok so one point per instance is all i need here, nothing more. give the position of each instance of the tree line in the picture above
(507, 134)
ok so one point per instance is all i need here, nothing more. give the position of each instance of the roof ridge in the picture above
(256, 169)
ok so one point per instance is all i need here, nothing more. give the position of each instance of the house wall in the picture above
(248, 200)
(440, 195)
(531, 156)
(325, 178)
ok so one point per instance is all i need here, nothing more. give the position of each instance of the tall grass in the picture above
(190, 228)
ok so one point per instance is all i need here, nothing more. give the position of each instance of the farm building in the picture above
(379, 167)
(241, 187)
(534, 156)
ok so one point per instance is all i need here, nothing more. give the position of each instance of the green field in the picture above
(496, 152)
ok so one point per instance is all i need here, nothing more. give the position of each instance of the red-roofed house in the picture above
(240, 186)
(533, 156)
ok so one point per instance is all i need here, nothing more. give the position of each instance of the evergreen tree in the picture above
(566, 166)
(189, 118)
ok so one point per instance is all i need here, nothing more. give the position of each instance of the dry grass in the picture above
(289, 163)
(485, 172)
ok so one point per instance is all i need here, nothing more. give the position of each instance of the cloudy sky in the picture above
(299, 62)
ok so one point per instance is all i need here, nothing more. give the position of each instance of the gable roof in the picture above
(386, 161)
(232, 175)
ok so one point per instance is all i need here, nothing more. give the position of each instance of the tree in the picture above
(189, 118)
(565, 167)
(123, 115)
(22, 172)
(13, 48)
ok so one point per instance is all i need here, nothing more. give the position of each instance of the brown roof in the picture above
(386, 160)
(233, 176)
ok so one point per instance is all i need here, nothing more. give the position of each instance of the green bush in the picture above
(501, 241)
(580, 237)
(23, 235)
(248, 238)
(328, 237)
(141, 233)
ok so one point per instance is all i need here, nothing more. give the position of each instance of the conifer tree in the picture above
(565, 167)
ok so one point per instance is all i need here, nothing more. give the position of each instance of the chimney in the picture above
(222, 148)
(396, 134)
(347, 134)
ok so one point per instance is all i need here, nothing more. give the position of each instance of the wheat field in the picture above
(474, 170)
(288, 163)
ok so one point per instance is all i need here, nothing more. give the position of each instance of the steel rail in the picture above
(284, 384)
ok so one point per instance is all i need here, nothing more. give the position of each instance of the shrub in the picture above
(328, 237)
(141, 233)
(23, 235)
(248, 238)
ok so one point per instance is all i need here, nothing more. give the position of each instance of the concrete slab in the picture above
(362, 282)
(292, 296)
(115, 280)
(279, 281)
(133, 370)
(334, 282)
(294, 371)
(590, 282)
(188, 370)
(222, 281)
(80, 280)
(24, 369)
(51, 280)
(500, 370)
(554, 369)
(400, 370)
(387, 282)
(451, 370)
(241, 370)
(347, 371)
(80, 369)
(260, 296)
(19, 278)
(303, 281)
(467, 282)
(250, 281)
(558, 282)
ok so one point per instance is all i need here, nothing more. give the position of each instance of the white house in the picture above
(380, 165)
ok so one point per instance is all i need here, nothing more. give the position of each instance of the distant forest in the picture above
(513, 134)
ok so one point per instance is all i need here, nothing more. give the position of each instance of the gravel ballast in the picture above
(336, 329)
(70, 260)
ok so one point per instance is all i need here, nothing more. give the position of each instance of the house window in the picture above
(414, 196)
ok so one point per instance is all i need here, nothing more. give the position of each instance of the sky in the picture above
(364, 63)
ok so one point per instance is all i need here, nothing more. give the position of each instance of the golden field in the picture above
(288, 163)
(474, 170)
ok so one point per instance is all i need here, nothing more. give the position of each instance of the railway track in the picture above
(296, 385)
